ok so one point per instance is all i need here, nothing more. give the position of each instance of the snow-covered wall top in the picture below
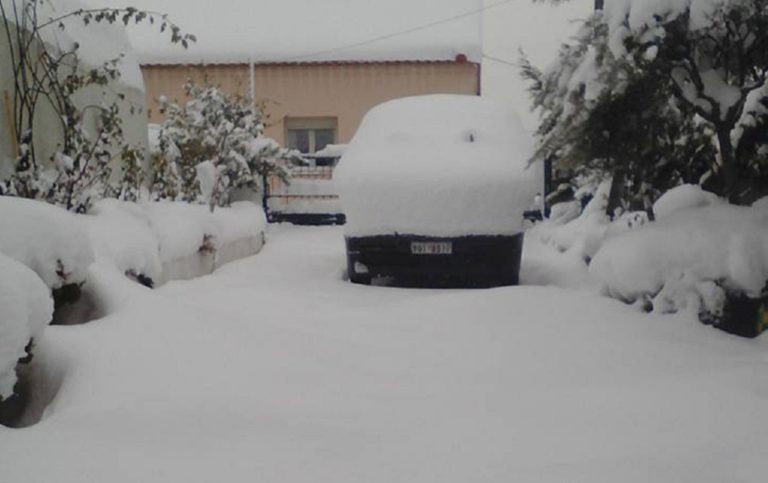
(302, 30)
(439, 165)
(99, 42)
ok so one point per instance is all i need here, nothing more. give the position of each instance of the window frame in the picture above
(311, 125)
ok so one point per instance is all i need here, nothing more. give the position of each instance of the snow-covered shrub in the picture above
(212, 145)
(573, 230)
(25, 309)
(191, 238)
(691, 258)
(122, 235)
(683, 197)
(441, 165)
(559, 249)
(241, 220)
(142, 240)
(182, 229)
(47, 239)
(54, 77)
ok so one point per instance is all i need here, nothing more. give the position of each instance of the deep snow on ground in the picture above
(275, 369)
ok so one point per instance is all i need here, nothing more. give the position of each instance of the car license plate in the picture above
(431, 248)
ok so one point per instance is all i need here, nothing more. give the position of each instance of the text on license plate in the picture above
(431, 248)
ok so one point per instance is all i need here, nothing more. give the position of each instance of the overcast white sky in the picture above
(234, 30)
(537, 28)
(295, 29)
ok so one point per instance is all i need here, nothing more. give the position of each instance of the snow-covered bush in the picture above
(193, 241)
(580, 233)
(139, 238)
(121, 234)
(47, 239)
(682, 197)
(212, 145)
(182, 229)
(690, 258)
(441, 165)
(52, 78)
(240, 221)
(25, 309)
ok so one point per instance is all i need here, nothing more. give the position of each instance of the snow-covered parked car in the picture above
(434, 189)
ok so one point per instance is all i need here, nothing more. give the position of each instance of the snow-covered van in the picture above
(434, 189)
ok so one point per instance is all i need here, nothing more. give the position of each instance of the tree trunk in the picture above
(728, 163)
(616, 195)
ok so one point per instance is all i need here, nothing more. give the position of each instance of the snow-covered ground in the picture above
(275, 369)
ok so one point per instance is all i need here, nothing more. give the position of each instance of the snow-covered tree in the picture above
(652, 87)
(213, 145)
(605, 115)
(716, 54)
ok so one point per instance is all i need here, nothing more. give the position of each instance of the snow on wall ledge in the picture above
(437, 165)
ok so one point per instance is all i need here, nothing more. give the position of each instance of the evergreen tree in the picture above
(608, 116)
(662, 99)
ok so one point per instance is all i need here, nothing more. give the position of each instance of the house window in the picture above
(311, 134)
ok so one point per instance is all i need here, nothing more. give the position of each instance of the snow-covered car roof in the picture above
(443, 165)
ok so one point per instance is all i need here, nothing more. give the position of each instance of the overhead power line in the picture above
(400, 32)
(501, 61)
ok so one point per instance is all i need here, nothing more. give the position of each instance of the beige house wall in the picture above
(345, 91)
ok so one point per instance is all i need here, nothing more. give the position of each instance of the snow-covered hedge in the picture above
(139, 239)
(162, 241)
(181, 229)
(26, 308)
(51, 241)
(699, 249)
(442, 165)
(122, 236)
